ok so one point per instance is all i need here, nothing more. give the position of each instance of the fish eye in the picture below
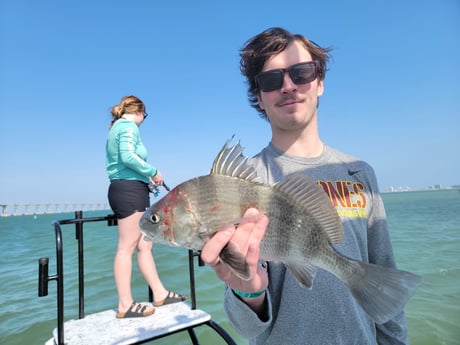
(154, 218)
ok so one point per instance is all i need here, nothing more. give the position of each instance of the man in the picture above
(285, 74)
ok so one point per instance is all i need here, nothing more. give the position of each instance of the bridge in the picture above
(49, 207)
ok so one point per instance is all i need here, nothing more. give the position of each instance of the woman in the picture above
(128, 196)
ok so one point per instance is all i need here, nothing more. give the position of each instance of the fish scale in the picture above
(303, 226)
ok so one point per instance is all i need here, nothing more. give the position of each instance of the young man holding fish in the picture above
(285, 74)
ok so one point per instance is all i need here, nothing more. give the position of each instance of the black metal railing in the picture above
(44, 278)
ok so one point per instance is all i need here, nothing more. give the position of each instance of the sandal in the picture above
(171, 298)
(135, 310)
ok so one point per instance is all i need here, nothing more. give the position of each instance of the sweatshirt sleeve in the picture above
(242, 318)
(128, 146)
(381, 253)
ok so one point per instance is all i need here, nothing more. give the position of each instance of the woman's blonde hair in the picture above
(127, 105)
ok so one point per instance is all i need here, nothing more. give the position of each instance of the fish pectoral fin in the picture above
(303, 272)
(233, 258)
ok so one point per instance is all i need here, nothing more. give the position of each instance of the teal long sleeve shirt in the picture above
(126, 156)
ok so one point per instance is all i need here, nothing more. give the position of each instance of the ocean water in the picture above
(425, 229)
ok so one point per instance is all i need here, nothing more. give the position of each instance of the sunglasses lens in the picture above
(303, 73)
(271, 80)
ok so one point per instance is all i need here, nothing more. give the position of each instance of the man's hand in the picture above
(247, 237)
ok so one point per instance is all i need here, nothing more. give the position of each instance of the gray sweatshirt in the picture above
(326, 314)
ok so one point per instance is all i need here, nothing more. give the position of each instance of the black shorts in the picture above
(127, 197)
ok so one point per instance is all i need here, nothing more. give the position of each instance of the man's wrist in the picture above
(248, 294)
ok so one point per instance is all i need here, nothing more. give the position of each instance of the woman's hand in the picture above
(157, 180)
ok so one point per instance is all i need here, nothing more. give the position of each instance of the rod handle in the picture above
(43, 277)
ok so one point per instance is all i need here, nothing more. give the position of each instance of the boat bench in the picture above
(103, 328)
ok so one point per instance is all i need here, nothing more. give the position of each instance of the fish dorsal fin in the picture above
(231, 162)
(312, 197)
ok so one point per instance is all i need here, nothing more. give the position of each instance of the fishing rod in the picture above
(165, 186)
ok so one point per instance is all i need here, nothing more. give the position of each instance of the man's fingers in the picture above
(259, 228)
(212, 248)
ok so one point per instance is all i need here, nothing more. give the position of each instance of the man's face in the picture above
(292, 107)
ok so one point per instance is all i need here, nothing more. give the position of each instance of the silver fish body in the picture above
(303, 225)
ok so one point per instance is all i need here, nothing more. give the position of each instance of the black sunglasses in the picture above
(145, 115)
(300, 73)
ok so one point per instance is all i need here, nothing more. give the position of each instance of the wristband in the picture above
(248, 294)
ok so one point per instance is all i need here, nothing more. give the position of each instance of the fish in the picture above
(303, 228)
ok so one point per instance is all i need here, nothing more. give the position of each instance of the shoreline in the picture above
(427, 189)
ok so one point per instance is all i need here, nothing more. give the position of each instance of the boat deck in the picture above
(104, 328)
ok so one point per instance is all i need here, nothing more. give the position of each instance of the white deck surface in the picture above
(104, 328)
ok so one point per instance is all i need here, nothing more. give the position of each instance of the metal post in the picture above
(191, 268)
(60, 283)
(81, 273)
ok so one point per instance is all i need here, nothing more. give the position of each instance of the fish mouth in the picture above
(146, 236)
(174, 243)
(142, 224)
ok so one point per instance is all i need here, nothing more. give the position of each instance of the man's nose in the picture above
(288, 84)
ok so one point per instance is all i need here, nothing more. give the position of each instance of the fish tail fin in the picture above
(381, 291)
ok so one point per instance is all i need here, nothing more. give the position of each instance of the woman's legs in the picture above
(147, 266)
(130, 238)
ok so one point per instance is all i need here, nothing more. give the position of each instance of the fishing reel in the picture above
(154, 189)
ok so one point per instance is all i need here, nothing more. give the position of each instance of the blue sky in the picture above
(392, 93)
